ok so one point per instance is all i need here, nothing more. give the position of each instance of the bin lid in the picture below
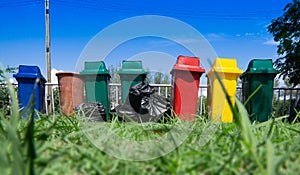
(260, 66)
(27, 71)
(187, 63)
(225, 65)
(94, 67)
(61, 74)
(132, 67)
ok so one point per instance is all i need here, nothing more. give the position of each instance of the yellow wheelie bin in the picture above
(217, 104)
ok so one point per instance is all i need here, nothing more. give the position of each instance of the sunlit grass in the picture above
(57, 145)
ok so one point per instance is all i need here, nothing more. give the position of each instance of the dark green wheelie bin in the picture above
(96, 78)
(259, 72)
(131, 73)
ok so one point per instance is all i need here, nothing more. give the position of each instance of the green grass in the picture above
(58, 145)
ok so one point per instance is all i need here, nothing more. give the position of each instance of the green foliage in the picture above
(286, 31)
(56, 100)
(115, 78)
(4, 100)
(4, 95)
(6, 71)
(204, 106)
(158, 78)
(17, 152)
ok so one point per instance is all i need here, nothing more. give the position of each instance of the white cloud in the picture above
(12, 80)
(188, 41)
(215, 36)
(249, 34)
(166, 43)
(281, 82)
(53, 75)
(270, 42)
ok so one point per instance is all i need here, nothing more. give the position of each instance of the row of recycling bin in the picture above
(186, 73)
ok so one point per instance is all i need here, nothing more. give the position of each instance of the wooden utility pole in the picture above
(48, 60)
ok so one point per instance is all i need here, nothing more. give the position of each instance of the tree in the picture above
(158, 76)
(4, 95)
(286, 31)
(115, 78)
(7, 70)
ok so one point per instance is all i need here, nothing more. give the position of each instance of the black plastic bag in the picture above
(143, 105)
(138, 97)
(156, 105)
(92, 111)
(126, 113)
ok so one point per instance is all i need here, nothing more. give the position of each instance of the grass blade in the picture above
(252, 94)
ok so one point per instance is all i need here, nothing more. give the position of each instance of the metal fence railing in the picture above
(285, 100)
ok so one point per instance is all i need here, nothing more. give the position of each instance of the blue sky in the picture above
(235, 29)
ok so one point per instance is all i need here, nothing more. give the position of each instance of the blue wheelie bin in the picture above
(28, 86)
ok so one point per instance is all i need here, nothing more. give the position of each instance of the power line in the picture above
(20, 3)
(125, 8)
(117, 7)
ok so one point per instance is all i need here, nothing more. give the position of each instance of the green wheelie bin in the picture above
(96, 78)
(131, 73)
(260, 72)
